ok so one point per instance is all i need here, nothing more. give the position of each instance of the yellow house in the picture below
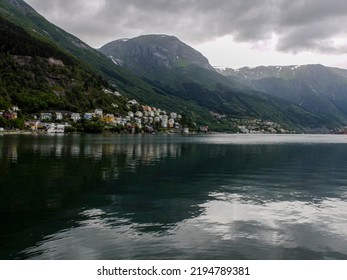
(109, 118)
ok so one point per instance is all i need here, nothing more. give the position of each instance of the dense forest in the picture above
(36, 75)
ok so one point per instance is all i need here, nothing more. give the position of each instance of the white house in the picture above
(121, 121)
(139, 114)
(138, 120)
(164, 121)
(46, 116)
(133, 102)
(75, 117)
(99, 113)
(58, 116)
(56, 128)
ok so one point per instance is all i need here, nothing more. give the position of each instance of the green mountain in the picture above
(149, 54)
(317, 89)
(174, 67)
(37, 75)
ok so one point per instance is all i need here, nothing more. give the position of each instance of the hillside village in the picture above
(139, 119)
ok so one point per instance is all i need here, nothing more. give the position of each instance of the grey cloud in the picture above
(315, 37)
(300, 24)
(302, 12)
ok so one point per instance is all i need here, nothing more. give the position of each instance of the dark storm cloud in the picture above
(299, 24)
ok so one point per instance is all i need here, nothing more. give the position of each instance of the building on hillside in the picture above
(10, 115)
(58, 116)
(46, 116)
(164, 121)
(99, 113)
(138, 121)
(171, 123)
(88, 116)
(55, 128)
(139, 114)
(173, 115)
(203, 129)
(133, 102)
(146, 108)
(108, 118)
(33, 125)
(75, 117)
(121, 121)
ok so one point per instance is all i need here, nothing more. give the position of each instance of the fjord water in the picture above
(173, 197)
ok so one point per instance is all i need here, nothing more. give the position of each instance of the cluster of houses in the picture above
(261, 126)
(144, 118)
(10, 114)
(150, 116)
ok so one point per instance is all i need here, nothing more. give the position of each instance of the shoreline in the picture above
(29, 132)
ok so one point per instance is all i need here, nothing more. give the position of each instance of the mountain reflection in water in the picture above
(173, 197)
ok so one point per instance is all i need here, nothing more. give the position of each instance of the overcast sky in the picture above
(231, 33)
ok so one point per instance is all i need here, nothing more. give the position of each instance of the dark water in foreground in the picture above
(173, 197)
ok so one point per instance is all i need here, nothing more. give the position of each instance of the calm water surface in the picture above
(173, 197)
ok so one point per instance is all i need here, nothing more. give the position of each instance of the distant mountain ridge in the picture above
(315, 88)
(309, 71)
